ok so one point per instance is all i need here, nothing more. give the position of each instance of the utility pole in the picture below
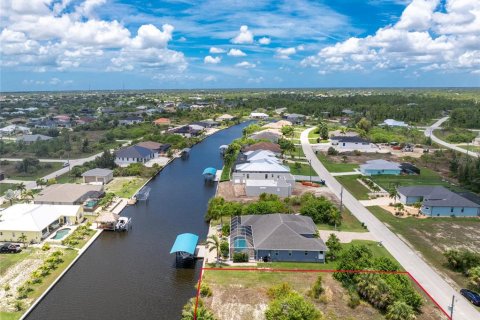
(451, 307)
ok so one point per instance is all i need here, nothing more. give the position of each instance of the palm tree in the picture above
(214, 244)
(41, 183)
(23, 239)
(392, 194)
(28, 194)
(21, 187)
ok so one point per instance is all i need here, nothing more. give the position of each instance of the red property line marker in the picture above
(315, 271)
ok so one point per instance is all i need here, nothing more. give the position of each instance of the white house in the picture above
(394, 123)
(130, 121)
(350, 143)
(36, 221)
(13, 128)
(258, 115)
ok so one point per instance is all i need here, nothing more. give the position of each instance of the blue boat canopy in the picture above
(185, 242)
(210, 171)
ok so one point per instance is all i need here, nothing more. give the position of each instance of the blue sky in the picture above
(107, 44)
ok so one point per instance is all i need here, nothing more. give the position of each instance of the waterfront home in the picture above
(276, 237)
(46, 124)
(270, 146)
(13, 129)
(394, 123)
(271, 135)
(379, 167)
(162, 122)
(35, 221)
(259, 115)
(257, 155)
(31, 138)
(130, 120)
(225, 117)
(277, 125)
(133, 154)
(98, 175)
(157, 148)
(68, 194)
(187, 131)
(295, 118)
(349, 142)
(438, 201)
(261, 170)
(206, 123)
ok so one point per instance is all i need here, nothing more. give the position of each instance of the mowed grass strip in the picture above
(357, 189)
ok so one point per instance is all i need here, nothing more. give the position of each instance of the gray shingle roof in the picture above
(349, 139)
(133, 152)
(97, 172)
(283, 232)
(437, 196)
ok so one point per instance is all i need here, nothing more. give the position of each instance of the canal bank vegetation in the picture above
(320, 209)
(261, 294)
(24, 281)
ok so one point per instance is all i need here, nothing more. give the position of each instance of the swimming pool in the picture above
(61, 233)
(90, 204)
(240, 244)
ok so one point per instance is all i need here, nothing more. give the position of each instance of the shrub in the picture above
(317, 289)
(354, 300)
(46, 247)
(205, 290)
(224, 248)
(332, 151)
(240, 257)
(226, 230)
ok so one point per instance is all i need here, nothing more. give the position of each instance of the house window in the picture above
(266, 176)
(276, 253)
(248, 176)
(463, 209)
(290, 253)
(451, 209)
(306, 253)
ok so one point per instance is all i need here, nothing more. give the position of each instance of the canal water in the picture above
(132, 275)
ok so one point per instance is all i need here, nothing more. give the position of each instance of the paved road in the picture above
(436, 286)
(429, 132)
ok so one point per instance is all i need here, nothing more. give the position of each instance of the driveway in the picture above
(429, 132)
(435, 285)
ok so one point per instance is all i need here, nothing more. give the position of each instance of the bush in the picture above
(226, 230)
(240, 257)
(205, 290)
(224, 249)
(462, 260)
(354, 300)
(317, 289)
(46, 247)
(332, 151)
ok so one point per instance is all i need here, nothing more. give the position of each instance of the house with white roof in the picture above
(13, 128)
(261, 172)
(36, 221)
(394, 123)
(258, 115)
(380, 166)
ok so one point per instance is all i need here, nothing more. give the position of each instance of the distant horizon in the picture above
(246, 89)
(54, 45)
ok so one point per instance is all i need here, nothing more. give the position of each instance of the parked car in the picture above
(471, 296)
(10, 248)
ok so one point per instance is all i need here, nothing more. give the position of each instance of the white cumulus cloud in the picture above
(212, 60)
(285, 53)
(244, 37)
(236, 53)
(216, 50)
(264, 41)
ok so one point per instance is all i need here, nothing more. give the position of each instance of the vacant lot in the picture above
(41, 170)
(426, 177)
(125, 187)
(431, 237)
(239, 295)
(336, 164)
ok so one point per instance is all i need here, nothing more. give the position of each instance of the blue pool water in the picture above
(61, 233)
(240, 243)
(91, 203)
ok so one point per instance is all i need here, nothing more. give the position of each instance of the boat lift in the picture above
(185, 247)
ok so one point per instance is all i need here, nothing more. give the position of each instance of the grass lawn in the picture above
(335, 166)
(125, 187)
(349, 223)
(66, 178)
(10, 315)
(5, 186)
(226, 173)
(470, 148)
(299, 151)
(46, 168)
(303, 170)
(8, 260)
(432, 236)
(357, 189)
(426, 177)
